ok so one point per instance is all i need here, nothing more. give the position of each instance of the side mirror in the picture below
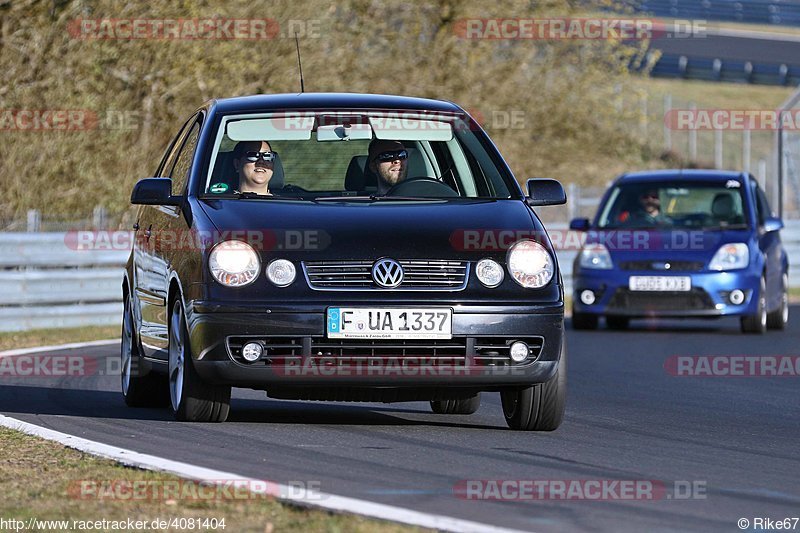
(772, 224)
(545, 191)
(579, 224)
(154, 191)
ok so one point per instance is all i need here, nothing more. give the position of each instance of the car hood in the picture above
(670, 245)
(463, 229)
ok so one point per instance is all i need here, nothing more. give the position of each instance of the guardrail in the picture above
(46, 283)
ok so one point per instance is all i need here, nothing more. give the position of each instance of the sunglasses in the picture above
(392, 156)
(264, 156)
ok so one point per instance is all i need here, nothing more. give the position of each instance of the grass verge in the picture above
(41, 480)
(46, 337)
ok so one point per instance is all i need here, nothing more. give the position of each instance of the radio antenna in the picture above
(299, 63)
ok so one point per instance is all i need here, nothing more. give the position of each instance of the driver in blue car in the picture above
(389, 161)
(649, 212)
(254, 164)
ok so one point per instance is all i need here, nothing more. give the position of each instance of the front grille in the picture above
(419, 274)
(674, 266)
(643, 301)
(486, 350)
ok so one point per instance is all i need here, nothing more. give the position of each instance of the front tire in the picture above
(192, 399)
(457, 407)
(757, 323)
(780, 317)
(138, 389)
(539, 407)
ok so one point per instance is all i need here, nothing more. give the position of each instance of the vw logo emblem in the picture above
(387, 273)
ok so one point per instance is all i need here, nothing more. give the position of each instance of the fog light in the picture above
(252, 351)
(587, 297)
(736, 297)
(519, 351)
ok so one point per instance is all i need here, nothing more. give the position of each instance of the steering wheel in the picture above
(423, 186)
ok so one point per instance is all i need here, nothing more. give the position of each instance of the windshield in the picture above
(706, 205)
(347, 155)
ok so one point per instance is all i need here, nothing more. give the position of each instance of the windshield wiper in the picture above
(256, 196)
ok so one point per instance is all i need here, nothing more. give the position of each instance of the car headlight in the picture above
(234, 263)
(489, 272)
(730, 257)
(595, 256)
(530, 264)
(281, 272)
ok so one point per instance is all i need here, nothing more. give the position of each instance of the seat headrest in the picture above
(722, 205)
(359, 177)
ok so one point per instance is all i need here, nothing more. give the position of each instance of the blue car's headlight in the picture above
(595, 256)
(731, 256)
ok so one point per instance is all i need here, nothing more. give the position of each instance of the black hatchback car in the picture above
(342, 247)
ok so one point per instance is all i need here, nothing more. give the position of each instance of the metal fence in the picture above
(47, 283)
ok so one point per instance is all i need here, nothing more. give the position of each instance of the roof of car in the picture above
(681, 175)
(262, 102)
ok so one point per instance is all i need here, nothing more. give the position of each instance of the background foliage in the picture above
(575, 125)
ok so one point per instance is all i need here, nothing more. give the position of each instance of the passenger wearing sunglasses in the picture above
(389, 161)
(254, 164)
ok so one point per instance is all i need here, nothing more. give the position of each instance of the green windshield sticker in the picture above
(219, 188)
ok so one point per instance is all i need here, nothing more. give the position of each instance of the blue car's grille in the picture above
(419, 275)
(633, 301)
(665, 265)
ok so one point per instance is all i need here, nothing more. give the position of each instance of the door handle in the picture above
(148, 232)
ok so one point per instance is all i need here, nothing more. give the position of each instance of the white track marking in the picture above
(59, 347)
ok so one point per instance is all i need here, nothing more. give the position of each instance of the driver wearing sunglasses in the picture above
(254, 164)
(389, 161)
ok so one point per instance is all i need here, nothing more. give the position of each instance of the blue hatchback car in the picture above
(682, 243)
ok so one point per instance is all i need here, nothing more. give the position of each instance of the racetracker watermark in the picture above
(733, 119)
(483, 240)
(55, 366)
(392, 367)
(195, 240)
(223, 29)
(733, 366)
(578, 489)
(186, 490)
(67, 120)
(570, 29)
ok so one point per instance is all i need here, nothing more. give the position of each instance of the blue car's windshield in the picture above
(331, 155)
(705, 205)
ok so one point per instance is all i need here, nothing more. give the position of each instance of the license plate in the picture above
(391, 323)
(660, 283)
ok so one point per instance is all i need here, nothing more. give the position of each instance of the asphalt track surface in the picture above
(627, 419)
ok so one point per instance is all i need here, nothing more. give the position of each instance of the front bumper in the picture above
(299, 354)
(709, 296)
